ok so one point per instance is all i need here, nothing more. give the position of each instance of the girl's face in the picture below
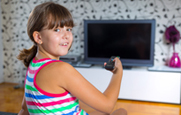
(56, 42)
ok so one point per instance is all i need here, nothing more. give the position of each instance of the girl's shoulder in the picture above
(48, 66)
(56, 72)
(51, 78)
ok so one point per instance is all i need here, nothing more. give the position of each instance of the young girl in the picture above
(54, 87)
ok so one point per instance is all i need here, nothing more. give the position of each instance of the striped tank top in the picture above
(41, 102)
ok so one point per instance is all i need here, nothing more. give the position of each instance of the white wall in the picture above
(1, 53)
(15, 14)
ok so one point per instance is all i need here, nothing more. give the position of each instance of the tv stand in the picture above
(139, 84)
(127, 67)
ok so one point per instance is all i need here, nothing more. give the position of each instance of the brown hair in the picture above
(47, 15)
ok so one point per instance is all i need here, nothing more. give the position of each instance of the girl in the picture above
(54, 87)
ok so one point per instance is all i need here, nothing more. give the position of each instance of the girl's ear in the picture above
(37, 37)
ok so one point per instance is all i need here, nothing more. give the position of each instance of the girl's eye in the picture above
(57, 30)
(69, 29)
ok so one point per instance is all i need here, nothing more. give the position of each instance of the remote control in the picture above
(110, 63)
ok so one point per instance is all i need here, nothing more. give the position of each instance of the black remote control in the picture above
(110, 63)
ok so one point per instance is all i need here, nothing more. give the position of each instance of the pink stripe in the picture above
(31, 71)
(42, 91)
(51, 103)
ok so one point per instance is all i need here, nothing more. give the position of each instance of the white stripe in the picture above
(53, 107)
(54, 98)
(30, 75)
(29, 83)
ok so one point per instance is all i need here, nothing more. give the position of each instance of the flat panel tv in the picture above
(131, 40)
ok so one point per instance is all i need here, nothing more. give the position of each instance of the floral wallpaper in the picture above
(15, 15)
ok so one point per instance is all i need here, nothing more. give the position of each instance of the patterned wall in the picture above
(15, 15)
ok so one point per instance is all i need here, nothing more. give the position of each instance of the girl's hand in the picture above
(117, 65)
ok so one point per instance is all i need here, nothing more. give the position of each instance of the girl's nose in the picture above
(65, 34)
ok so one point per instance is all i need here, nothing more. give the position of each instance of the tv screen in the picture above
(131, 40)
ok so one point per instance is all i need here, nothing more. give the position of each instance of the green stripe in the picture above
(37, 64)
(82, 112)
(53, 110)
(30, 88)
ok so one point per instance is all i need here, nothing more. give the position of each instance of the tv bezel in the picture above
(125, 62)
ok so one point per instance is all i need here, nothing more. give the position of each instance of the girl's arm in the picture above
(70, 79)
(24, 110)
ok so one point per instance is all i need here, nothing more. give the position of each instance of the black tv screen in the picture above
(131, 40)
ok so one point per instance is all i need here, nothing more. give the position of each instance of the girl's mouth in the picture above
(65, 44)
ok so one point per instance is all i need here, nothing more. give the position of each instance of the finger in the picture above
(105, 64)
(114, 70)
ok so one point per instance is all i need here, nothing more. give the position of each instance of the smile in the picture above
(64, 44)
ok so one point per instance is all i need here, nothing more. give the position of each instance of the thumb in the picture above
(105, 63)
